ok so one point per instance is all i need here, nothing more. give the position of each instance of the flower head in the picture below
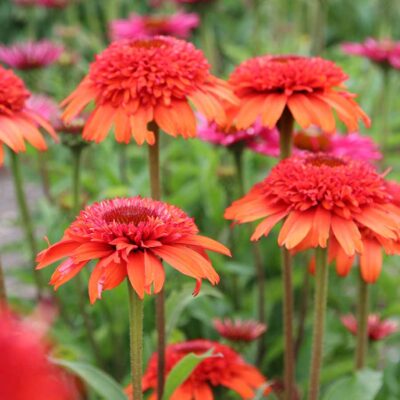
(17, 122)
(323, 197)
(130, 237)
(238, 330)
(30, 55)
(136, 82)
(180, 25)
(378, 328)
(257, 138)
(25, 370)
(311, 88)
(226, 369)
(384, 52)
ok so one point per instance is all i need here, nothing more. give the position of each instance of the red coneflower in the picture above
(17, 123)
(25, 370)
(30, 55)
(239, 330)
(310, 87)
(323, 198)
(130, 237)
(136, 82)
(378, 328)
(227, 369)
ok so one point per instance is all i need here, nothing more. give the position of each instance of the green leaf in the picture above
(105, 386)
(182, 371)
(364, 385)
(178, 301)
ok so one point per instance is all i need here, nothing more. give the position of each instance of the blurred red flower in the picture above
(239, 330)
(323, 197)
(17, 122)
(30, 55)
(226, 369)
(136, 26)
(140, 81)
(378, 328)
(130, 237)
(25, 372)
(311, 88)
(385, 52)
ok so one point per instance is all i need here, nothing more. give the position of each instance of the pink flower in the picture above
(378, 328)
(42, 3)
(238, 330)
(257, 138)
(180, 25)
(30, 55)
(352, 145)
(385, 52)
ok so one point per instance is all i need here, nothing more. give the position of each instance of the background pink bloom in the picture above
(237, 330)
(42, 3)
(378, 328)
(384, 51)
(180, 24)
(257, 138)
(30, 55)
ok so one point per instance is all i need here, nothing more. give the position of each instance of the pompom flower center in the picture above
(13, 93)
(326, 160)
(129, 215)
(150, 43)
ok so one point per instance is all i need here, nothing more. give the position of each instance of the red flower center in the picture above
(148, 43)
(329, 161)
(13, 93)
(129, 215)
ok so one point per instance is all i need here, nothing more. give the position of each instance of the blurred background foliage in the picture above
(199, 178)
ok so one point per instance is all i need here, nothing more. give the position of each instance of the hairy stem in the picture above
(362, 324)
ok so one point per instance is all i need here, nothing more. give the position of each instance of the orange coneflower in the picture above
(17, 123)
(310, 87)
(135, 82)
(226, 369)
(322, 198)
(130, 237)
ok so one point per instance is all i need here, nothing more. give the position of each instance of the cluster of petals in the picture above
(17, 122)
(385, 52)
(256, 137)
(135, 82)
(226, 368)
(25, 370)
(323, 197)
(239, 330)
(30, 55)
(137, 26)
(311, 88)
(129, 237)
(377, 328)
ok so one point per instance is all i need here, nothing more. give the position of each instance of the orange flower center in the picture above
(129, 215)
(329, 161)
(148, 43)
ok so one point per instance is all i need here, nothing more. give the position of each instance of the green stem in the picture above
(318, 26)
(26, 219)
(285, 126)
(303, 308)
(155, 185)
(136, 341)
(76, 179)
(3, 293)
(362, 324)
(321, 293)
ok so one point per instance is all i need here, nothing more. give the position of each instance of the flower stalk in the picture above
(26, 219)
(136, 341)
(3, 293)
(285, 126)
(362, 324)
(155, 186)
(320, 300)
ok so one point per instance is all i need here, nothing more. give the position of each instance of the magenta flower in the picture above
(30, 55)
(257, 138)
(42, 3)
(385, 52)
(180, 25)
(378, 328)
